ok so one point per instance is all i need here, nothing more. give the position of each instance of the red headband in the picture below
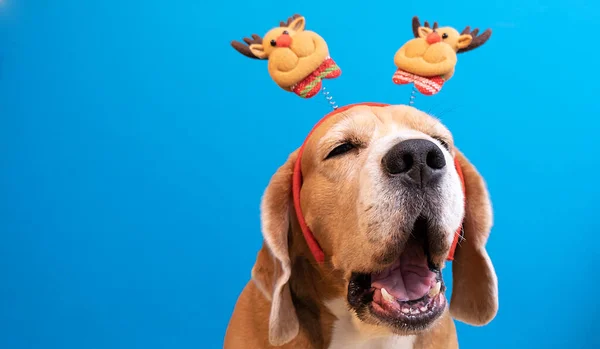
(313, 244)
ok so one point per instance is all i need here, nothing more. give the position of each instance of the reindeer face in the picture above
(278, 38)
(293, 53)
(433, 51)
(427, 55)
(445, 35)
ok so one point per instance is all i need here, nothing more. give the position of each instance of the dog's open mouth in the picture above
(409, 294)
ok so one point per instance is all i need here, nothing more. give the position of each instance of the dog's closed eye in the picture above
(442, 142)
(341, 149)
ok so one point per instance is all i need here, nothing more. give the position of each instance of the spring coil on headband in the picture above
(413, 95)
(329, 98)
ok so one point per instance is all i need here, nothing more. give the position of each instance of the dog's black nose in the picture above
(418, 161)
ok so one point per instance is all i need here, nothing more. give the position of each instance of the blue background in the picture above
(135, 144)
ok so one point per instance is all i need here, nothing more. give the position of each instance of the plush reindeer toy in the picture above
(298, 59)
(430, 58)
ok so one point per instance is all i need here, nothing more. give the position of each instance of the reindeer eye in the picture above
(445, 36)
(273, 43)
(285, 32)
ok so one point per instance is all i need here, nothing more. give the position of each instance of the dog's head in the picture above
(381, 195)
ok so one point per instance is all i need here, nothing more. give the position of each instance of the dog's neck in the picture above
(310, 279)
(310, 285)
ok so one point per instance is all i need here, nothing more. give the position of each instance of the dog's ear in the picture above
(474, 282)
(272, 270)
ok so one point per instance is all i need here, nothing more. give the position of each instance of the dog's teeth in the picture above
(386, 296)
(414, 311)
(405, 310)
(423, 309)
(435, 290)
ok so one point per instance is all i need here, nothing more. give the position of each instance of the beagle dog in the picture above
(357, 226)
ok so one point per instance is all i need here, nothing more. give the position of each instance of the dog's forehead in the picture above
(374, 121)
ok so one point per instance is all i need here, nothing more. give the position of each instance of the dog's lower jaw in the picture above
(406, 296)
(350, 332)
(379, 307)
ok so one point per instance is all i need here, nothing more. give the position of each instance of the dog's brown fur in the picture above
(285, 303)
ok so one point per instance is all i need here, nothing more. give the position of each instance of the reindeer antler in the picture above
(289, 21)
(245, 49)
(477, 40)
(416, 24)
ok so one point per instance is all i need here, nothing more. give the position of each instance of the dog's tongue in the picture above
(409, 278)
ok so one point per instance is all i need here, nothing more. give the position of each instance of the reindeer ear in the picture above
(273, 267)
(474, 282)
(424, 31)
(464, 41)
(258, 50)
(297, 24)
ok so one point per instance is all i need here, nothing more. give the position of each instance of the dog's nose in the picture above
(418, 161)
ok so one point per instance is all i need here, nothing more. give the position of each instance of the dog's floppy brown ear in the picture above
(272, 270)
(474, 282)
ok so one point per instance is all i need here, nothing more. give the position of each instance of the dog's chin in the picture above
(408, 295)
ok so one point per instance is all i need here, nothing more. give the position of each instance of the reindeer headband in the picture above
(299, 61)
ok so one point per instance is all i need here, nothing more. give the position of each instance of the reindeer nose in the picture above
(284, 40)
(433, 37)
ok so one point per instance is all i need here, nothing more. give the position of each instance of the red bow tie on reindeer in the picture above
(299, 61)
